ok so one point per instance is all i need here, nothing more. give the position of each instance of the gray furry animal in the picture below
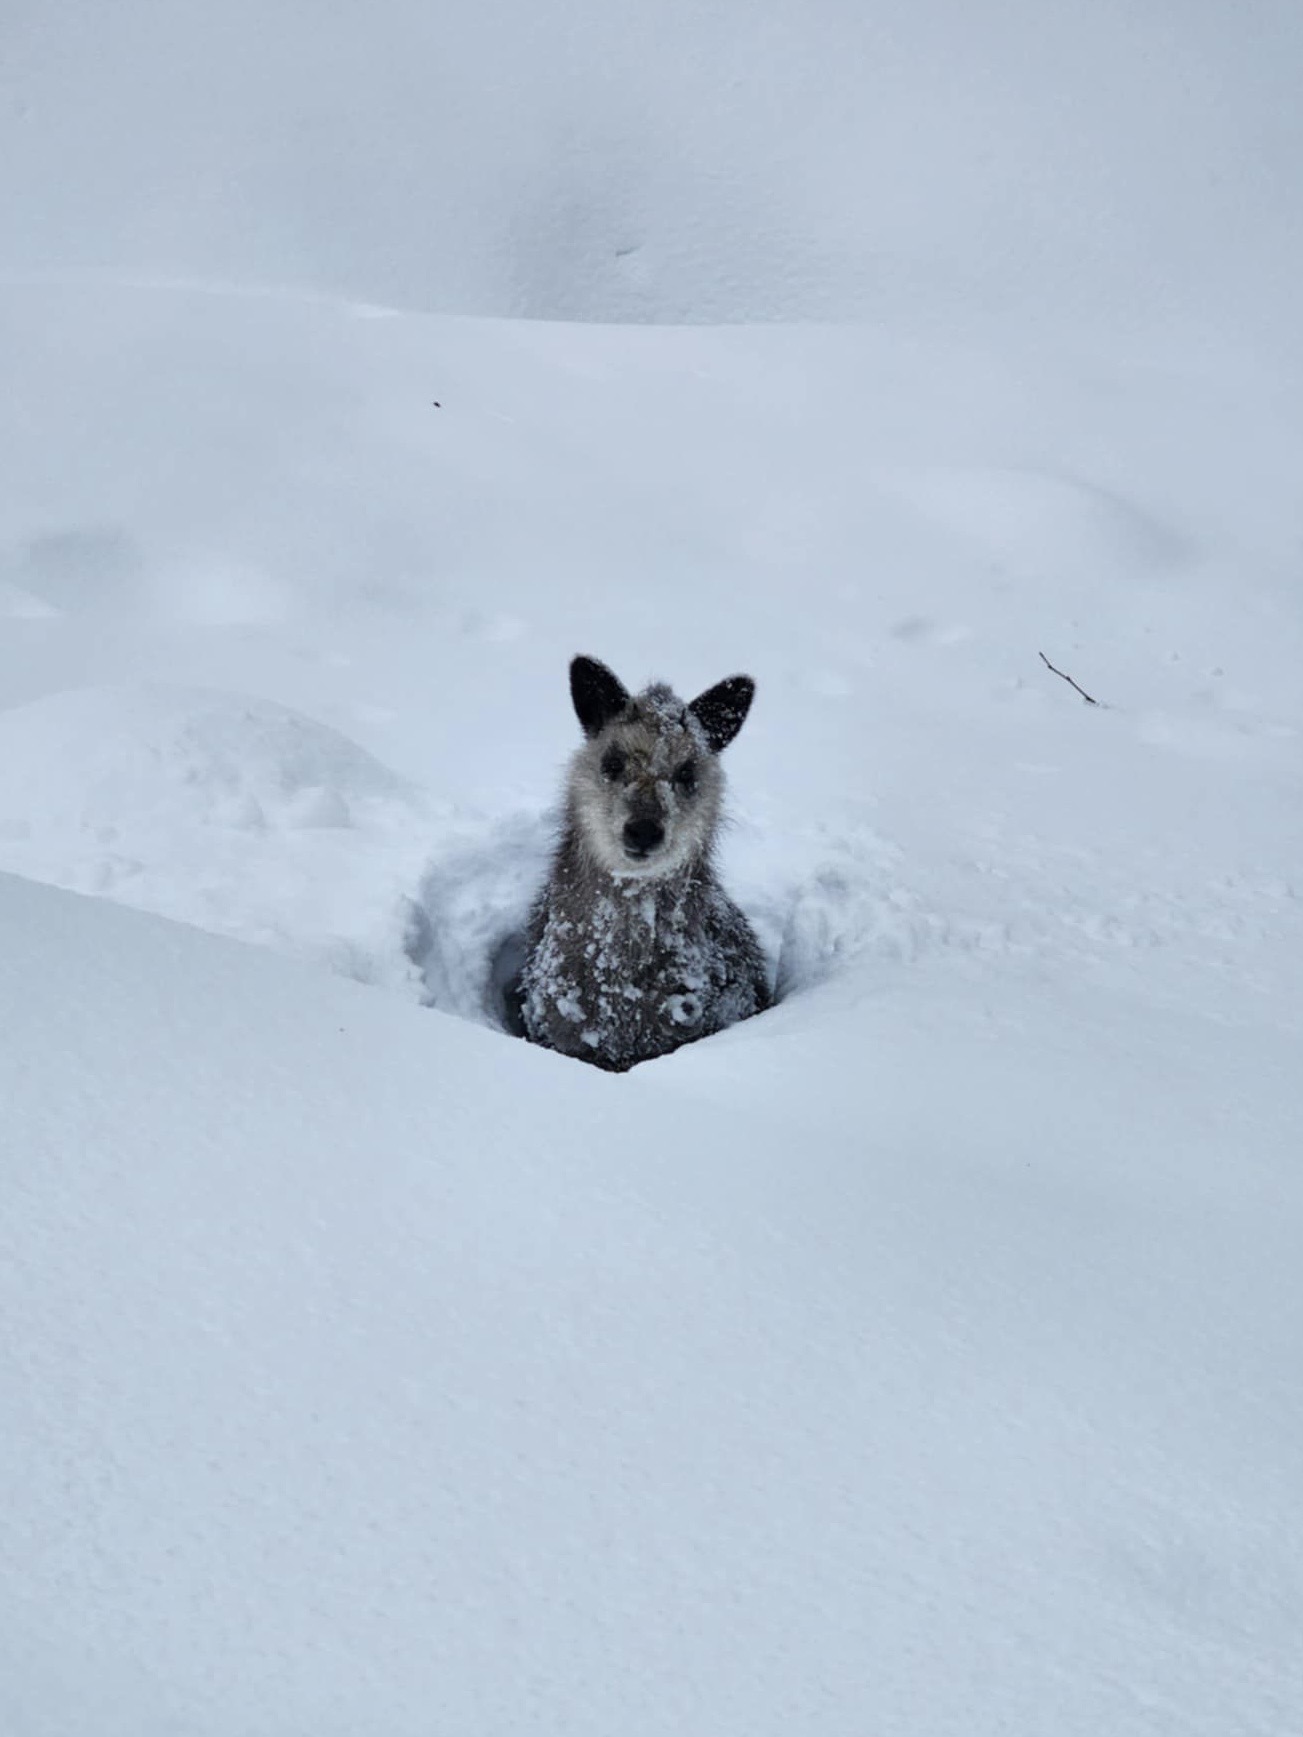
(633, 947)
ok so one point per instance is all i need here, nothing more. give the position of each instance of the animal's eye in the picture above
(685, 779)
(614, 762)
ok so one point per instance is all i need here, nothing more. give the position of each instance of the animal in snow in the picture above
(633, 948)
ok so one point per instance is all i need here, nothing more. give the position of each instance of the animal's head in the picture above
(646, 785)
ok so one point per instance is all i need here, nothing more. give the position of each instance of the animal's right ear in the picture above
(598, 693)
(722, 710)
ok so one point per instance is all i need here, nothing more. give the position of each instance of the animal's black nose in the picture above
(642, 836)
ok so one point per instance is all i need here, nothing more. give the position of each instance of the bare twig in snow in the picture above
(1067, 678)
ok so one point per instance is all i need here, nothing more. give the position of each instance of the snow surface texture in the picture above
(1131, 166)
(919, 1358)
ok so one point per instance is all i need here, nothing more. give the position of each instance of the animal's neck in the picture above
(581, 868)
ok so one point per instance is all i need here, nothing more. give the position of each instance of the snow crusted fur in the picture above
(633, 947)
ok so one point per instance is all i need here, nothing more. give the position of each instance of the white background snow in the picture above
(924, 1357)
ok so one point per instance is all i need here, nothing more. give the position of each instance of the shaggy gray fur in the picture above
(633, 947)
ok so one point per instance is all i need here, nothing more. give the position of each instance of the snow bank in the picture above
(232, 813)
(368, 1368)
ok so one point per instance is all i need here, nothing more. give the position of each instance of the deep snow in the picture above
(919, 1358)
(369, 1371)
(257, 498)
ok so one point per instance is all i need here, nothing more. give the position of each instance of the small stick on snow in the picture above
(1067, 678)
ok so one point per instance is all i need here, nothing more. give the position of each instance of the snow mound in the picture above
(1032, 523)
(104, 760)
(473, 900)
(238, 815)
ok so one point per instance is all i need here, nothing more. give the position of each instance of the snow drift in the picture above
(366, 1367)
(1132, 168)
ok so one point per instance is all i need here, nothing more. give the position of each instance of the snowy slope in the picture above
(1039, 162)
(368, 1372)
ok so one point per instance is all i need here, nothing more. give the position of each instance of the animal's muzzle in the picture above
(643, 835)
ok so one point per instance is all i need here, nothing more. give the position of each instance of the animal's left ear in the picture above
(598, 694)
(722, 710)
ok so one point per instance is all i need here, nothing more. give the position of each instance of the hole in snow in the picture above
(815, 903)
(503, 1000)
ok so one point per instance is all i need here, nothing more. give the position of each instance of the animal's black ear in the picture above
(598, 693)
(722, 710)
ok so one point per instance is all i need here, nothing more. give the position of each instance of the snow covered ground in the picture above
(921, 1358)
(1127, 167)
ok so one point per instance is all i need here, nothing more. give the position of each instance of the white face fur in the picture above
(646, 790)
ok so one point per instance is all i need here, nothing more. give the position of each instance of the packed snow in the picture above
(919, 1357)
